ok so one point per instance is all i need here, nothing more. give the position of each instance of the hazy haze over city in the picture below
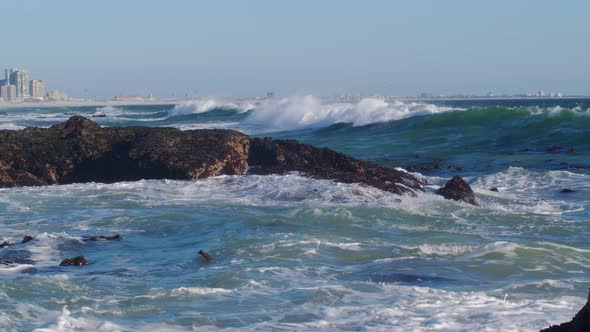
(245, 48)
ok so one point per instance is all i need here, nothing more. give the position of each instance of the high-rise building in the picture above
(8, 92)
(9, 74)
(21, 80)
(37, 89)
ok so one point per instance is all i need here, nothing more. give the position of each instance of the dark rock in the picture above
(104, 238)
(457, 189)
(204, 254)
(494, 189)
(269, 156)
(76, 261)
(455, 168)
(566, 191)
(26, 239)
(578, 166)
(79, 150)
(580, 322)
(5, 244)
(405, 278)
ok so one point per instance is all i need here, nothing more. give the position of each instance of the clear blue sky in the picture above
(245, 48)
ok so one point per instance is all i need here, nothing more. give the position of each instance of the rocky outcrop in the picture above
(79, 150)
(268, 156)
(76, 261)
(457, 189)
(104, 238)
(580, 322)
(26, 239)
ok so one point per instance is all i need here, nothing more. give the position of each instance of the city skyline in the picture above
(16, 87)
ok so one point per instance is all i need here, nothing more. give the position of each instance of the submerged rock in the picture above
(26, 239)
(79, 150)
(580, 322)
(566, 191)
(405, 278)
(5, 244)
(268, 156)
(76, 261)
(104, 238)
(494, 189)
(457, 189)
(205, 255)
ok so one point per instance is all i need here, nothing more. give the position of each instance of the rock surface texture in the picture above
(76, 261)
(457, 189)
(79, 150)
(580, 322)
(268, 156)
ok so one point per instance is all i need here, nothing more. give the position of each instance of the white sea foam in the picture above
(206, 105)
(43, 248)
(310, 112)
(445, 249)
(184, 291)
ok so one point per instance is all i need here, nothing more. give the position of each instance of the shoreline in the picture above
(90, 103)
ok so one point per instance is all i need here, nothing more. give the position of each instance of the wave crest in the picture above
(310, 112)
(207, 105)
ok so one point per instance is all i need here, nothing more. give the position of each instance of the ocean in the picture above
(294, 253)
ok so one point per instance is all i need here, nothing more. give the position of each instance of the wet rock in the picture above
(455, 168)
(566, 191)
(457, 189)
(5, 244)
(580, 322)
(26, 239)
(79, 151)
(494, 189)
(205, 255)
(268, 156)
(104, 238)
(76, 261)
(405, 278)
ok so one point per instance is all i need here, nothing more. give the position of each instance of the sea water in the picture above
(294, 253)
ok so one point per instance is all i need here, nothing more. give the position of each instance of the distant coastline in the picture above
(90, 103)
(83, 103)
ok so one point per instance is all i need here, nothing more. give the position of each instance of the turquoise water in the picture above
(294, 253)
